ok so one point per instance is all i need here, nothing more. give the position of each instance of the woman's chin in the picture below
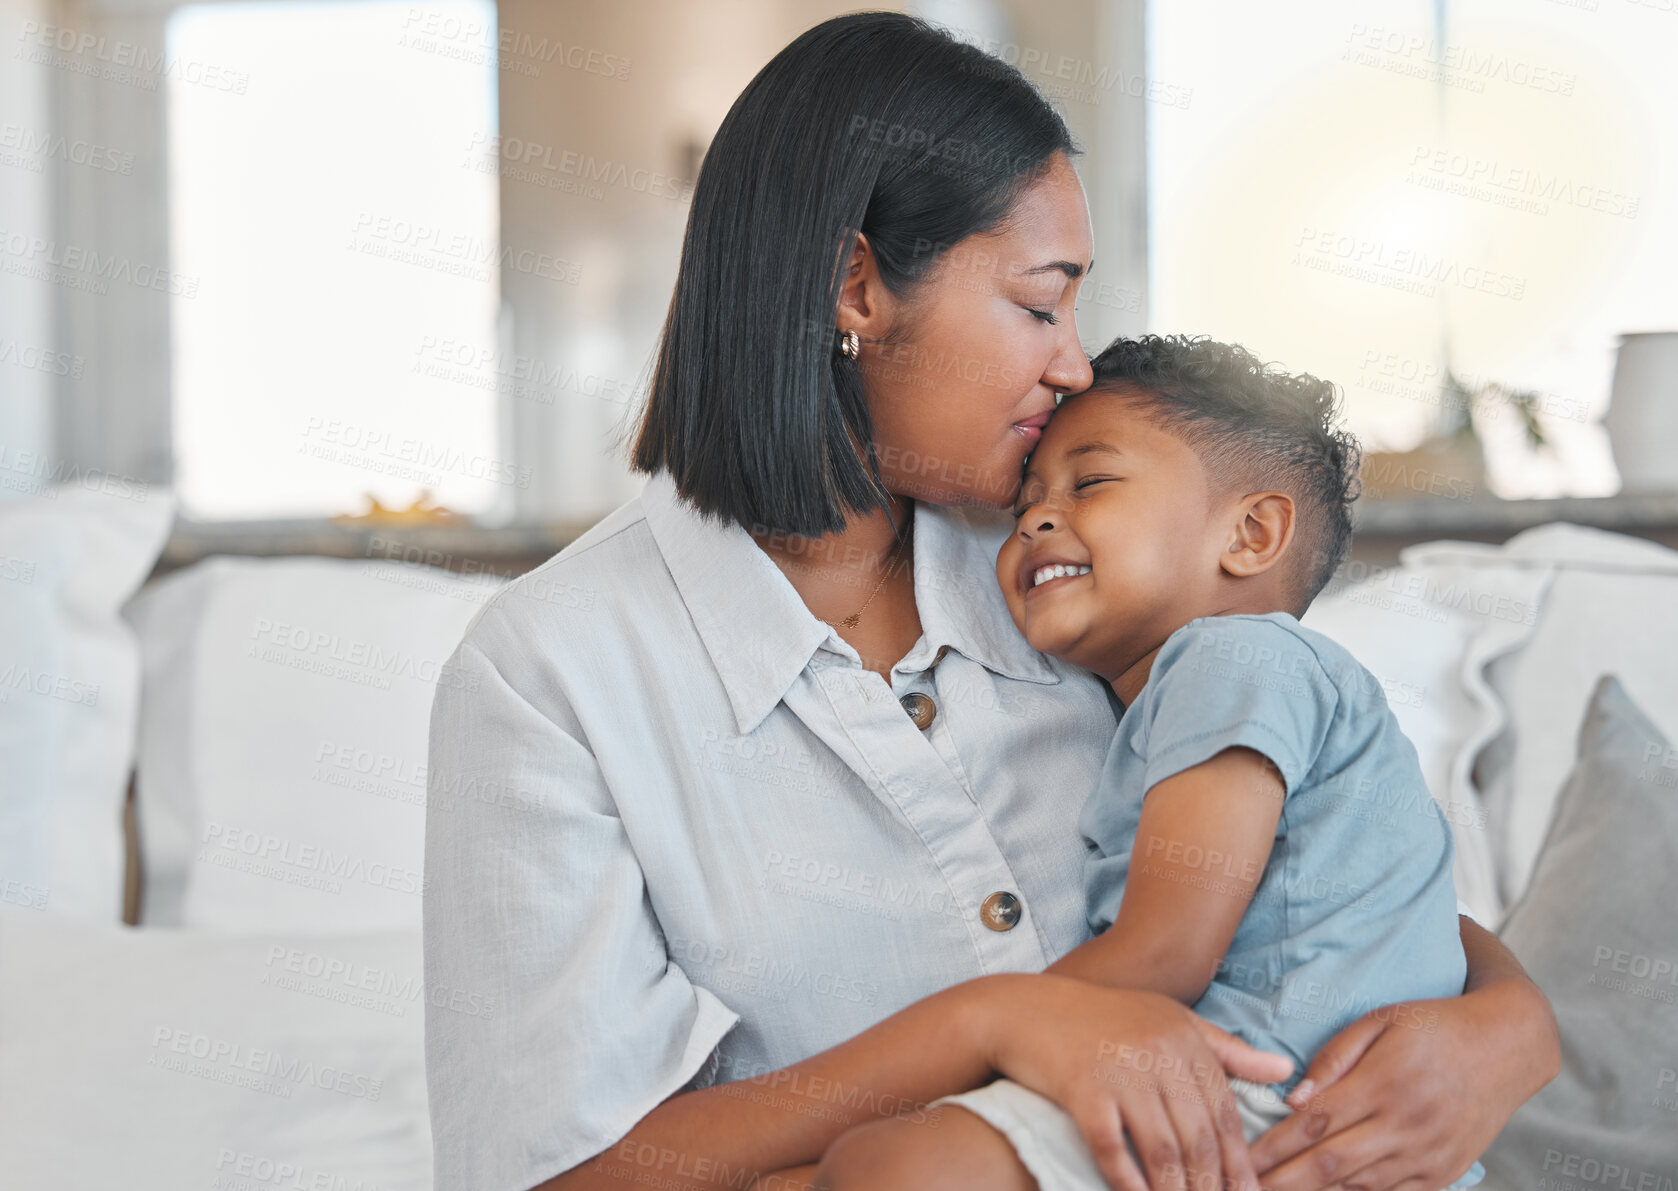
(934, 491)
(993, 485)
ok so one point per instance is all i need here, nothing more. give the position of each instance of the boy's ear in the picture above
(1263, 528)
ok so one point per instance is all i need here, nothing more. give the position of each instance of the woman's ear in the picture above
(864, 302)
(1262, 531)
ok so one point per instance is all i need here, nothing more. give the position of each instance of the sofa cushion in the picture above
(282, 757)
(70, 554)
(1609, 610)
(208, 1059)
(1596, 930)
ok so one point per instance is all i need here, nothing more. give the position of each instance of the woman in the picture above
(752, 817)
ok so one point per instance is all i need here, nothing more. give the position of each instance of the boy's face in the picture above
(1107, 491)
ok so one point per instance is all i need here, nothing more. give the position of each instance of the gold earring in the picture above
(850, 345)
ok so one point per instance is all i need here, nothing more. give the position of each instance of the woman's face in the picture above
(978, 353)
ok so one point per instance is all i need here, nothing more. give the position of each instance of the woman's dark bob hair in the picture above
(873, 121)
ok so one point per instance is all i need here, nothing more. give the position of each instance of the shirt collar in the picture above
(760, 647)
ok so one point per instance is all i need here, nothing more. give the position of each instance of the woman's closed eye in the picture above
(1047, 316)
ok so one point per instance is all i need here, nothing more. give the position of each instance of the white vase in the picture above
(1642, 418)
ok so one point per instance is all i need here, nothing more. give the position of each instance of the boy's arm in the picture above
(1201, 846)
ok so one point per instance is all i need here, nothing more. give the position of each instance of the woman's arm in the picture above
(1061, 1036)
(732, 1133)
(1421, 1092)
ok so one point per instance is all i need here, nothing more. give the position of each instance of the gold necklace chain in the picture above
(855, 618)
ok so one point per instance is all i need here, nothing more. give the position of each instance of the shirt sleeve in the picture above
(554, 1018)
(1224, 682)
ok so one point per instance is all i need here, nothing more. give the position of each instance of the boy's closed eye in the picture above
(1027, 503)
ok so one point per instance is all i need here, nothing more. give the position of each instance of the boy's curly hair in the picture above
(1254, 425)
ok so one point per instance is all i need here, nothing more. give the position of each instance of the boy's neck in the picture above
(1128, 683)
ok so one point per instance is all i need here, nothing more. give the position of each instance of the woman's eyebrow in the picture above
(1071, 268)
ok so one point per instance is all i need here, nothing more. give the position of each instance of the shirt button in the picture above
(942, 650)
(1000, 911)
(921, 709)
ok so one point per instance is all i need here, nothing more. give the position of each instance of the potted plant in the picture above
(1450, 463)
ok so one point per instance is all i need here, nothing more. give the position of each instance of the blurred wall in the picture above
(658, 78)
(29, 350)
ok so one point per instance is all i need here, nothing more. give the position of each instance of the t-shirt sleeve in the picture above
(554, 1019)
(1225, 682)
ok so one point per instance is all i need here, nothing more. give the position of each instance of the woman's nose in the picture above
(1070, 371)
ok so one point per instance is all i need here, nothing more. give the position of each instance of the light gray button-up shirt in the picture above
(678, 835)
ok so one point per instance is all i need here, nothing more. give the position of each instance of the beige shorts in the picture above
(1047, 1139)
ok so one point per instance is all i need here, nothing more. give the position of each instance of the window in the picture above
(339, 243)
(1359, 192)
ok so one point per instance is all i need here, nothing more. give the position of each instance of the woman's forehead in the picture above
(1048, 223)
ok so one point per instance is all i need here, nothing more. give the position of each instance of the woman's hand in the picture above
(1121, 1060)
(1414, 1093)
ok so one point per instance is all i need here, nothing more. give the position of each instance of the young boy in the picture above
(1175, 520)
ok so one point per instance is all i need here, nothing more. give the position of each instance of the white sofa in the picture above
(262, 1026)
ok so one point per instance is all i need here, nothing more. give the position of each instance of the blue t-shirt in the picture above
(1355, 908)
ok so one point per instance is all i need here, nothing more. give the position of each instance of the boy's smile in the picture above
(1115, 543)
